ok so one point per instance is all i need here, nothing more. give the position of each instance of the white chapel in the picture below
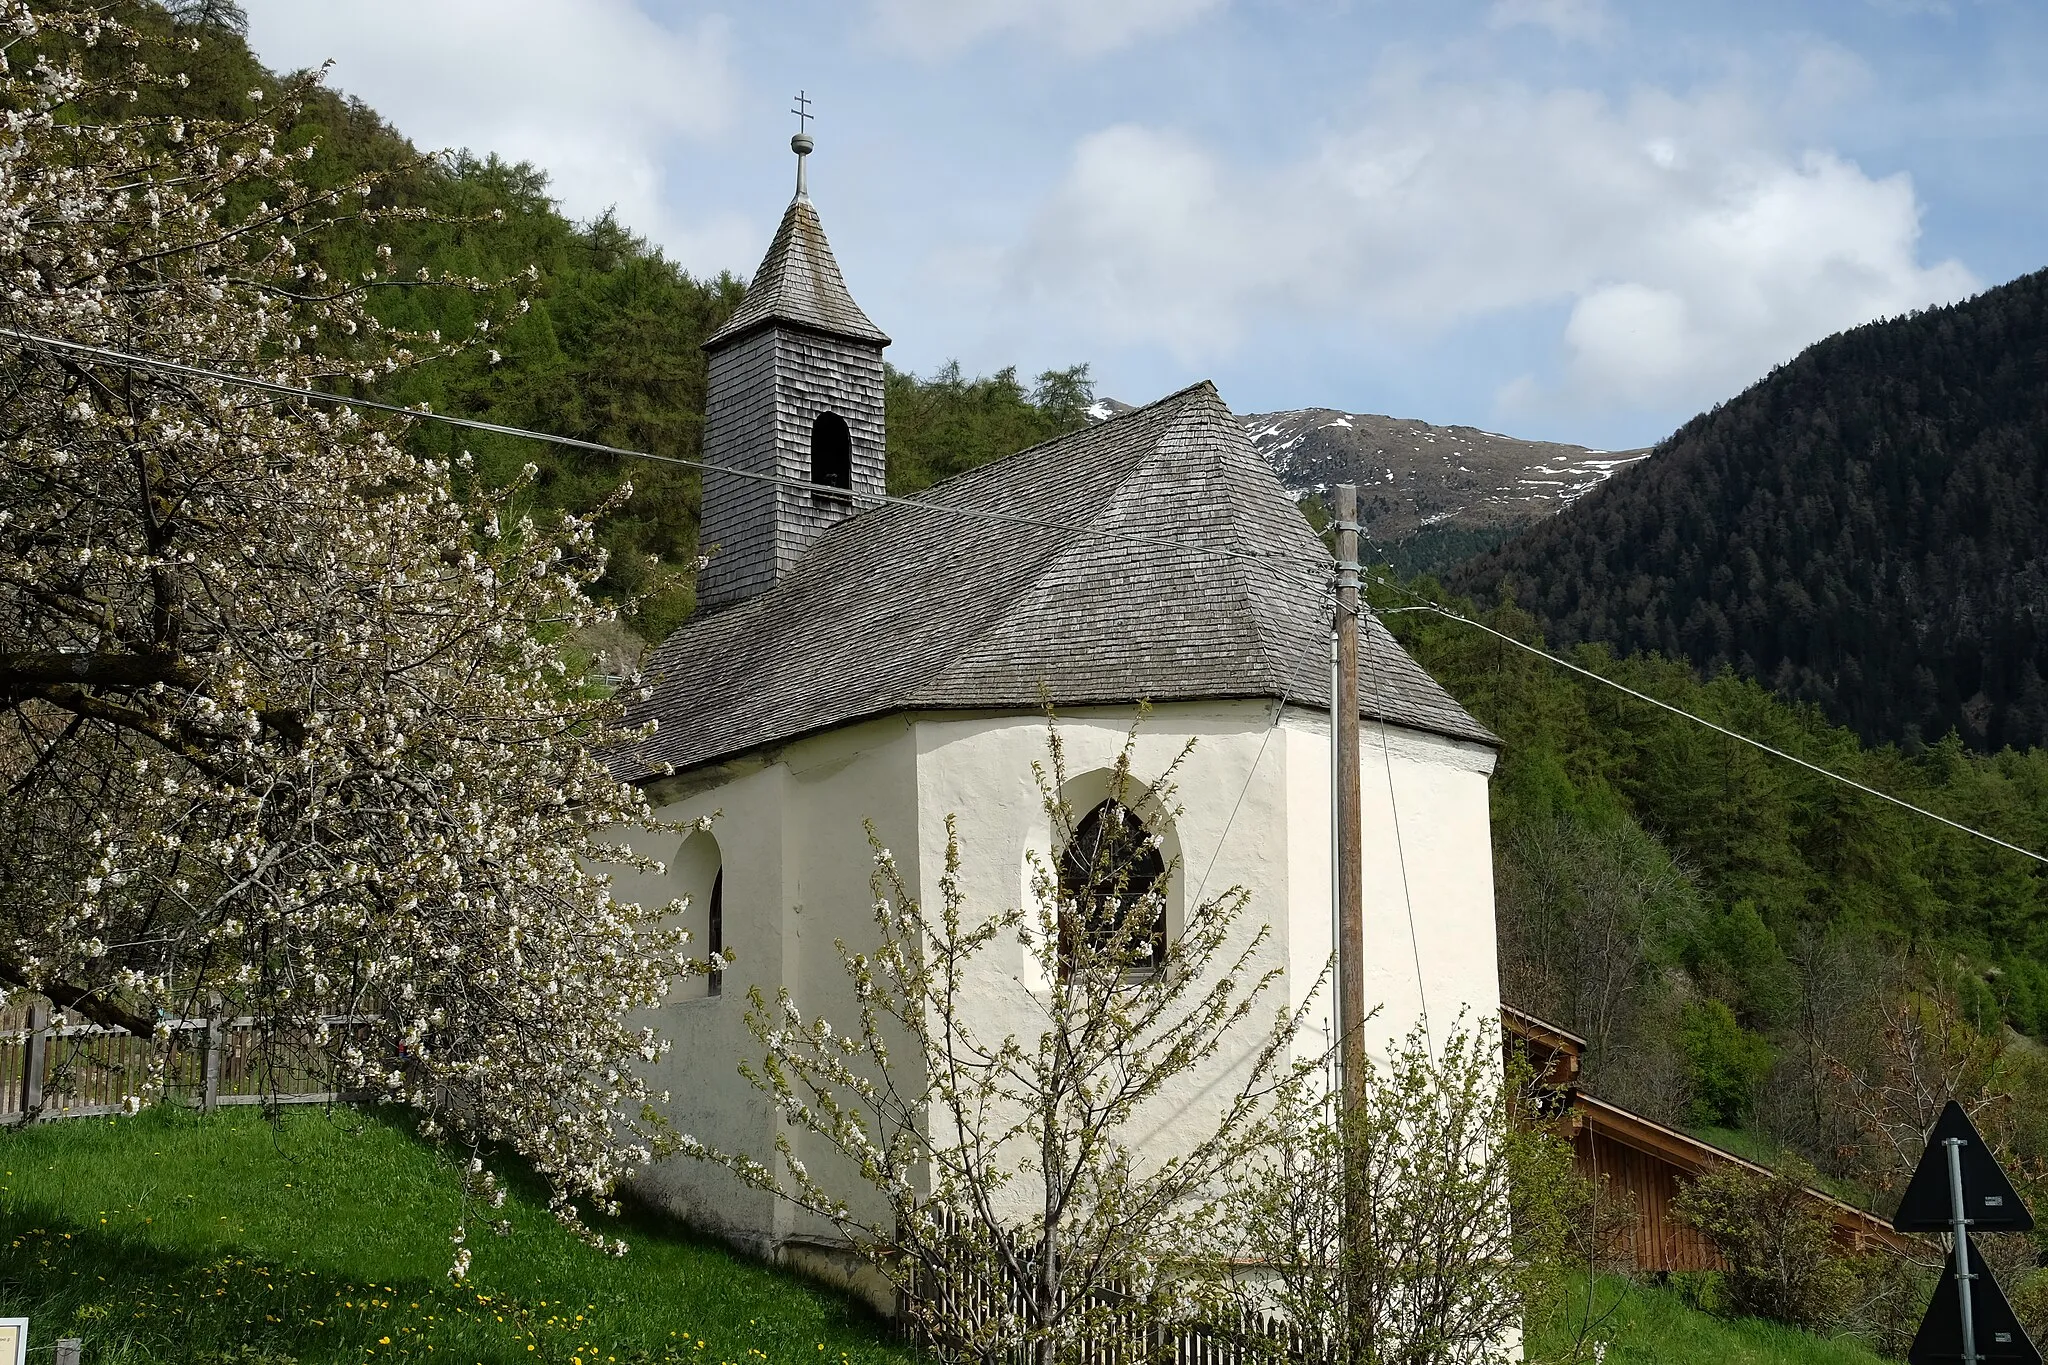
(853, 661)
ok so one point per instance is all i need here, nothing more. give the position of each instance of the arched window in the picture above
(831, 456)
(1111, 875)
(715, 932)
(698, 873)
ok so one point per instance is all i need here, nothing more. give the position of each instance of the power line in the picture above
(1812, 767)
(1270, 559)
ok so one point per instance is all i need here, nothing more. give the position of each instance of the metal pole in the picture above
(1962, 1246)
(35, 1057)
(209, 1082)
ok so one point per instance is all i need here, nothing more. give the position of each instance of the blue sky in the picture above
(1582, 220)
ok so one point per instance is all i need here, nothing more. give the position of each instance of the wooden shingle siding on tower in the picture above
(740, 429)
(797, 346)
(816, 374)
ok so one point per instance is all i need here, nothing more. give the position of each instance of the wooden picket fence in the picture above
(55, 1065)
(1125, 1336)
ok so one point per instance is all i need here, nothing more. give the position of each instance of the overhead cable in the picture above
(1270, 559)
(1810, 766)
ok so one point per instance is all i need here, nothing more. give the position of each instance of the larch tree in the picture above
(285, 712)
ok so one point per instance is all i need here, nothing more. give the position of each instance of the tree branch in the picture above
(79, 1000)
(37, 673)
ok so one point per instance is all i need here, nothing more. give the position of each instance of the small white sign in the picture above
(13, 1341)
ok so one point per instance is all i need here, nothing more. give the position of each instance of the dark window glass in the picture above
(831, 456)
(715, 932)
(1110, 872)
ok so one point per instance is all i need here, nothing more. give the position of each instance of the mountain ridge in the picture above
(1865, 529)
(1430, 495)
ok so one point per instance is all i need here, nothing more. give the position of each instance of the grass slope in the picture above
(176, 1238)
(1645, 1325)
(171, 1237)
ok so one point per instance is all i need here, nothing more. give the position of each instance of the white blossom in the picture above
(280, 722)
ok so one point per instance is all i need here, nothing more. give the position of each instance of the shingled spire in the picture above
(795, 390)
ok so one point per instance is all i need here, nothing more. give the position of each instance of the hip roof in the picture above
(906, 607)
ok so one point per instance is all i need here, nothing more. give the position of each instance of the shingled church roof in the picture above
(799, 283)
(904, 608)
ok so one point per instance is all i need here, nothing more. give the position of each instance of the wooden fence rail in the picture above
(54, 1065)
(970, 1300)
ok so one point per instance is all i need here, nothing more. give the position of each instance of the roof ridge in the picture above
(1076, 539)
(1107, 426)
(1273, 638)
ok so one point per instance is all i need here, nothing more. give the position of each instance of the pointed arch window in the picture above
(831, 458)
(1112, 877)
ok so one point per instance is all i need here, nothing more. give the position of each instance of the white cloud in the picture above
(1571, 20)
(1087, 28)
(592, 91)
(1687, 251)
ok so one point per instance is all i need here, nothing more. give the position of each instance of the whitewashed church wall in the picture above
(839, 783)
(980, 767)
(1255, 814)
(797, 864)
(708, 1098)
(1435, 874)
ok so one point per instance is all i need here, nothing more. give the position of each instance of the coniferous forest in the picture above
(1865, 529)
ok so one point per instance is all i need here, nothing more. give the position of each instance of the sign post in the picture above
(1960, 1223)
(1958, 1186)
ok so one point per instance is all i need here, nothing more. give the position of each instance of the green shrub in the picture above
(2030, 1303)
(1724, 1063)
(1782, 1260)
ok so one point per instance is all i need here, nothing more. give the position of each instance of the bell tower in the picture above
(795, 390)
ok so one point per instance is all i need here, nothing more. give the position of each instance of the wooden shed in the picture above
(1648, 1163)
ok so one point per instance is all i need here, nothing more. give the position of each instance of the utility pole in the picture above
(1354, 1122)
(1350, 838)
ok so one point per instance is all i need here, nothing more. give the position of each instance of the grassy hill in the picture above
(176, 1238)
(171, 1237)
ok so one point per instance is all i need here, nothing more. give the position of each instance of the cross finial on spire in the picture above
(801, 144)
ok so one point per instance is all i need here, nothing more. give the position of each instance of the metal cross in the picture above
(803, 112)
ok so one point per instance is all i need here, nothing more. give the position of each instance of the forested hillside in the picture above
(1751, 949)
(609, 349)
(1866, 529)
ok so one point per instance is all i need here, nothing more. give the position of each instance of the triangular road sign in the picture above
(2000, 1338)
(1989, 1200)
